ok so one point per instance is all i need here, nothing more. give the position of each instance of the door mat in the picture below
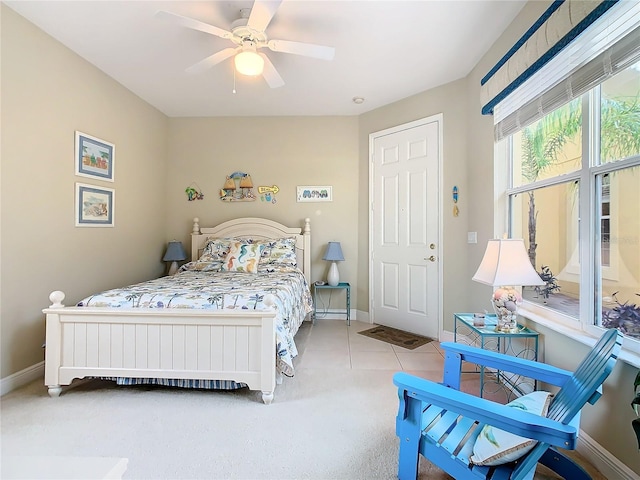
(396, 337)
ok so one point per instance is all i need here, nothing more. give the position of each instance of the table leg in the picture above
(315, 305)
(348, 306)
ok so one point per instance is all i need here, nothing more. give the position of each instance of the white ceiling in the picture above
(385, 50)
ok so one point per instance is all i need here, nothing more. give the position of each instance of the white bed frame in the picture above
(236, 345)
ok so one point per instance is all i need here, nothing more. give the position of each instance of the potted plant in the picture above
(550, 283)
(624, 316)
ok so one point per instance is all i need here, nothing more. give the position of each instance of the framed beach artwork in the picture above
(314, 193)
(94, 157)
(94, 206)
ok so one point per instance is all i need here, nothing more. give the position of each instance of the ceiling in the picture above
(384, 50)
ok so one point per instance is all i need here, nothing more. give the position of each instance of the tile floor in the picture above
(331, 344)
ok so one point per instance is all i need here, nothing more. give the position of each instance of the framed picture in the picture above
(94, 206)
(94, 157)
(314, 194)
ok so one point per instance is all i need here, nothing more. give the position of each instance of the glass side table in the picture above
(523, 344)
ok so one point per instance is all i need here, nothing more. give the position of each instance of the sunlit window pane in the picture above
(620, 115)
(546, 160)
(618, 272)
(547, 219)
(549, 147)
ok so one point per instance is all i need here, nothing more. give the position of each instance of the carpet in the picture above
(396, 337)
(325, 423)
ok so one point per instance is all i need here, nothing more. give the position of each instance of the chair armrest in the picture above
(482, 410)
(456, 353)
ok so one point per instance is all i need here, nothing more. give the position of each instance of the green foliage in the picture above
(544, 141)
(620, 125)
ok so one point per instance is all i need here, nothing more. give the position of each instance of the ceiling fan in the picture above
(248, 33)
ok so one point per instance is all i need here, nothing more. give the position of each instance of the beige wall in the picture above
(282, 151)
(48, 92)
(609, 421)
(450, 101)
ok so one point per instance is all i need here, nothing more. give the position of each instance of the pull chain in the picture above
(234, 80)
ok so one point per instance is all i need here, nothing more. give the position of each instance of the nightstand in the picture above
(342, 285)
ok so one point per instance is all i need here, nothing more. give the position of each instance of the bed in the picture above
(203, 338)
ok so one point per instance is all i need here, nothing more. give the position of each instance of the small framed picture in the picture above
(314, 194)
(94, 206)
(94, 157)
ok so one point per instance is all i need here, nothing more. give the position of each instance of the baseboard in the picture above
(342, 315)
(21, 378)
(361, 316)
(604, 461)
(446, 336)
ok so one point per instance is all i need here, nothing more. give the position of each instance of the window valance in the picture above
(558, 26)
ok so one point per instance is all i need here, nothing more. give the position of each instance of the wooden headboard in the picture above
(256, 228)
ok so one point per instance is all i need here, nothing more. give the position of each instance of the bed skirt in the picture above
(177, 382)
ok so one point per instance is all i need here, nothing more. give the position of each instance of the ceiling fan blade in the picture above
(212, 60)
(304, 49)
(262, 13)
(270, 73)
(194, 24)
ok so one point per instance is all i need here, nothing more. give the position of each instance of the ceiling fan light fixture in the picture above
(248, 62)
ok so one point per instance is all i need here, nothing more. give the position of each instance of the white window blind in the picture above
(609, 45)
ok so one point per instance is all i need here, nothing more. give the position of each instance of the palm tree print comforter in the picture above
(209, 290)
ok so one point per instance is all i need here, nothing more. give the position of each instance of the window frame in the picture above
(584, 328)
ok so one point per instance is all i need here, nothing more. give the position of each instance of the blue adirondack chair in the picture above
(441, 423)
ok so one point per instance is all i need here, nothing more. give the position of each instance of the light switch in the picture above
(472, 237)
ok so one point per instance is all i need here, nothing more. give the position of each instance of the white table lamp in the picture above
(506, 264)
(333, 255)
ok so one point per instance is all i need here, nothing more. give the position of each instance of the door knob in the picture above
(432, 258)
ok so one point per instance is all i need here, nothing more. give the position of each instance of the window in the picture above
(574, 197)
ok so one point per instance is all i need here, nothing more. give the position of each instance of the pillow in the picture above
(243, 257)
(215, 249)
(267, 244)
(495, 447)
(282, 252)
(202, 266)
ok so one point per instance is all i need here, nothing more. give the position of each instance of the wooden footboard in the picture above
(159, 343)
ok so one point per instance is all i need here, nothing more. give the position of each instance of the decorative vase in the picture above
(505, 303)
(333, 277)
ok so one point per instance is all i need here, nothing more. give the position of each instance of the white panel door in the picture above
(405, 290)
